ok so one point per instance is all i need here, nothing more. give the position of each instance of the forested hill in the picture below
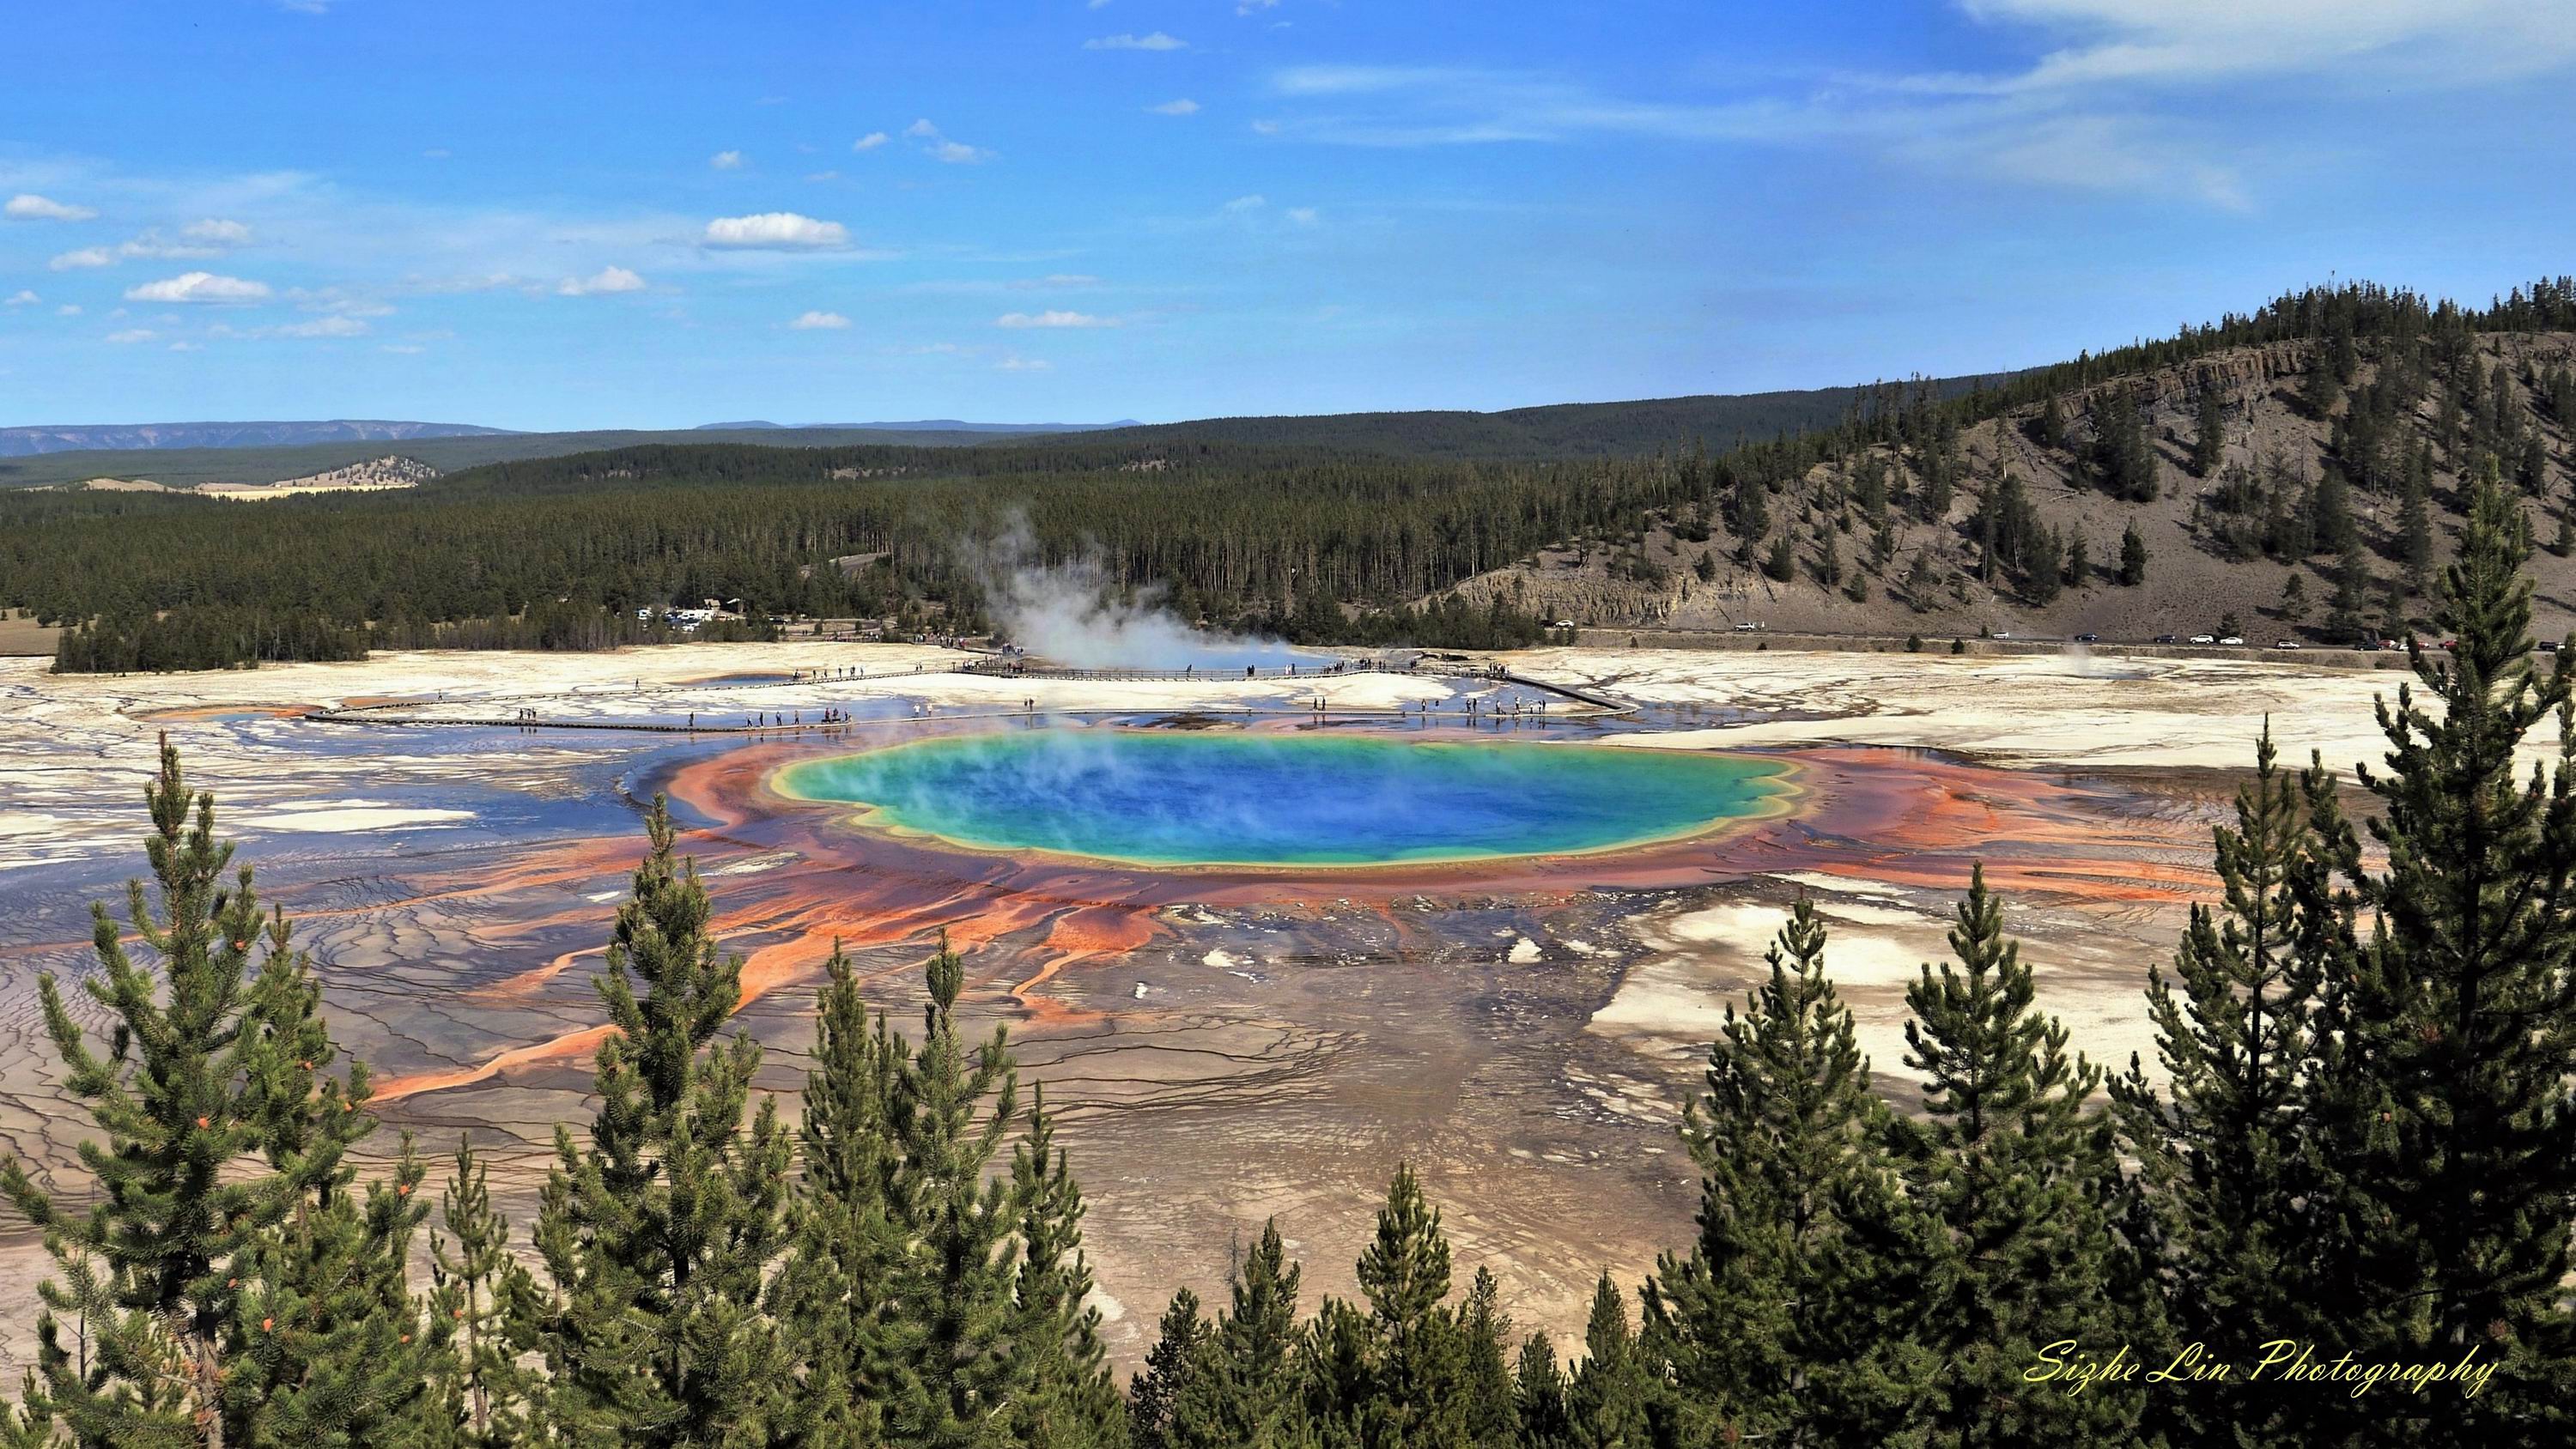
(1710, 424)
(189, 467)
(2299, 466)
(1569, 430)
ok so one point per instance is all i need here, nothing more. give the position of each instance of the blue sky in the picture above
(575, 214)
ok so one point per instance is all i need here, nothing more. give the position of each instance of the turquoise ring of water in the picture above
(1170, 799)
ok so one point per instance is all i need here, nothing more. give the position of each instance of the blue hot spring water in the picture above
(1166, 798)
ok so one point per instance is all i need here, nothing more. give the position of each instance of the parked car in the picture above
(2288, 644)
(1747, 627)
(2204, 638)
(2088, 638)
(2548, 646)
(2168, 638)
(2000, 634)
(2232, 639)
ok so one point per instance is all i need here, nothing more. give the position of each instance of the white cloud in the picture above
(1304, 215)
(187, 347)
(2196, 42)
(199, 287)
(1266, 128)
(131, 334)
(1242, 204)
(85, 257)
(1182, 107)
(820, 322)
(325, 327)
(27, 206)
(152, 244)
(940, 148)
(605, 281)
(68, 309)
(1053, 318)
(214, 233)
(1156, 41)
(870, 141)
(1024, 364)
(406, 348)
(2123, 96)
(23, 298)
(726, 161)
(776, 231)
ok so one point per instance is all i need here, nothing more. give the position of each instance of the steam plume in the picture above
(1070, 614)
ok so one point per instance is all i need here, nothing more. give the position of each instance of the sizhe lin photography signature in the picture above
(2281, 1360)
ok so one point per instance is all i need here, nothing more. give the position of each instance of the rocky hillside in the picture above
(2319, 508)
(391, 471)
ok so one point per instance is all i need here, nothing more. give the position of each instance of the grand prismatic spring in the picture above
(1155, 798)
(1259, 940)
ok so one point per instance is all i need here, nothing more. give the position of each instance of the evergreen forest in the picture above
(1366, 533)
(2360, 1139)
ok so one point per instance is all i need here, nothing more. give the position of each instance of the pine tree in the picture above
(338, 1356)
(658, 1237)
(1752, 511)
(484, 1394)
(1485, 1329)
(1940, 485)
(2079, 560)
(2415, 525)
(2221, 1146)
(2014, 1168)
(1920, 582)
(1178, 1356)
(1241, 1394)
(2133, 557)
(2446, 1117)
(1781, 563)
(223, 1183)
(2351, 596)
(1538, 1397)
(1417, 1359)
(1785, 1317)
(1064, 1397)
(1609, 1400)
(2043, 575)
(2294, 599)
(953, 1302)
(2209, 437)
(2049, 429)
(833, 1290)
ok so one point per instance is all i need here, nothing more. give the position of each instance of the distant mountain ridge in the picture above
(240, 453)
(922, 425)
(91, 437)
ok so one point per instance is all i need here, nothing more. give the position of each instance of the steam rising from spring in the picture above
(1071, 614)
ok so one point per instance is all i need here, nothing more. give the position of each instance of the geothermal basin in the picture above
(1165, 799)
(1257, 952)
